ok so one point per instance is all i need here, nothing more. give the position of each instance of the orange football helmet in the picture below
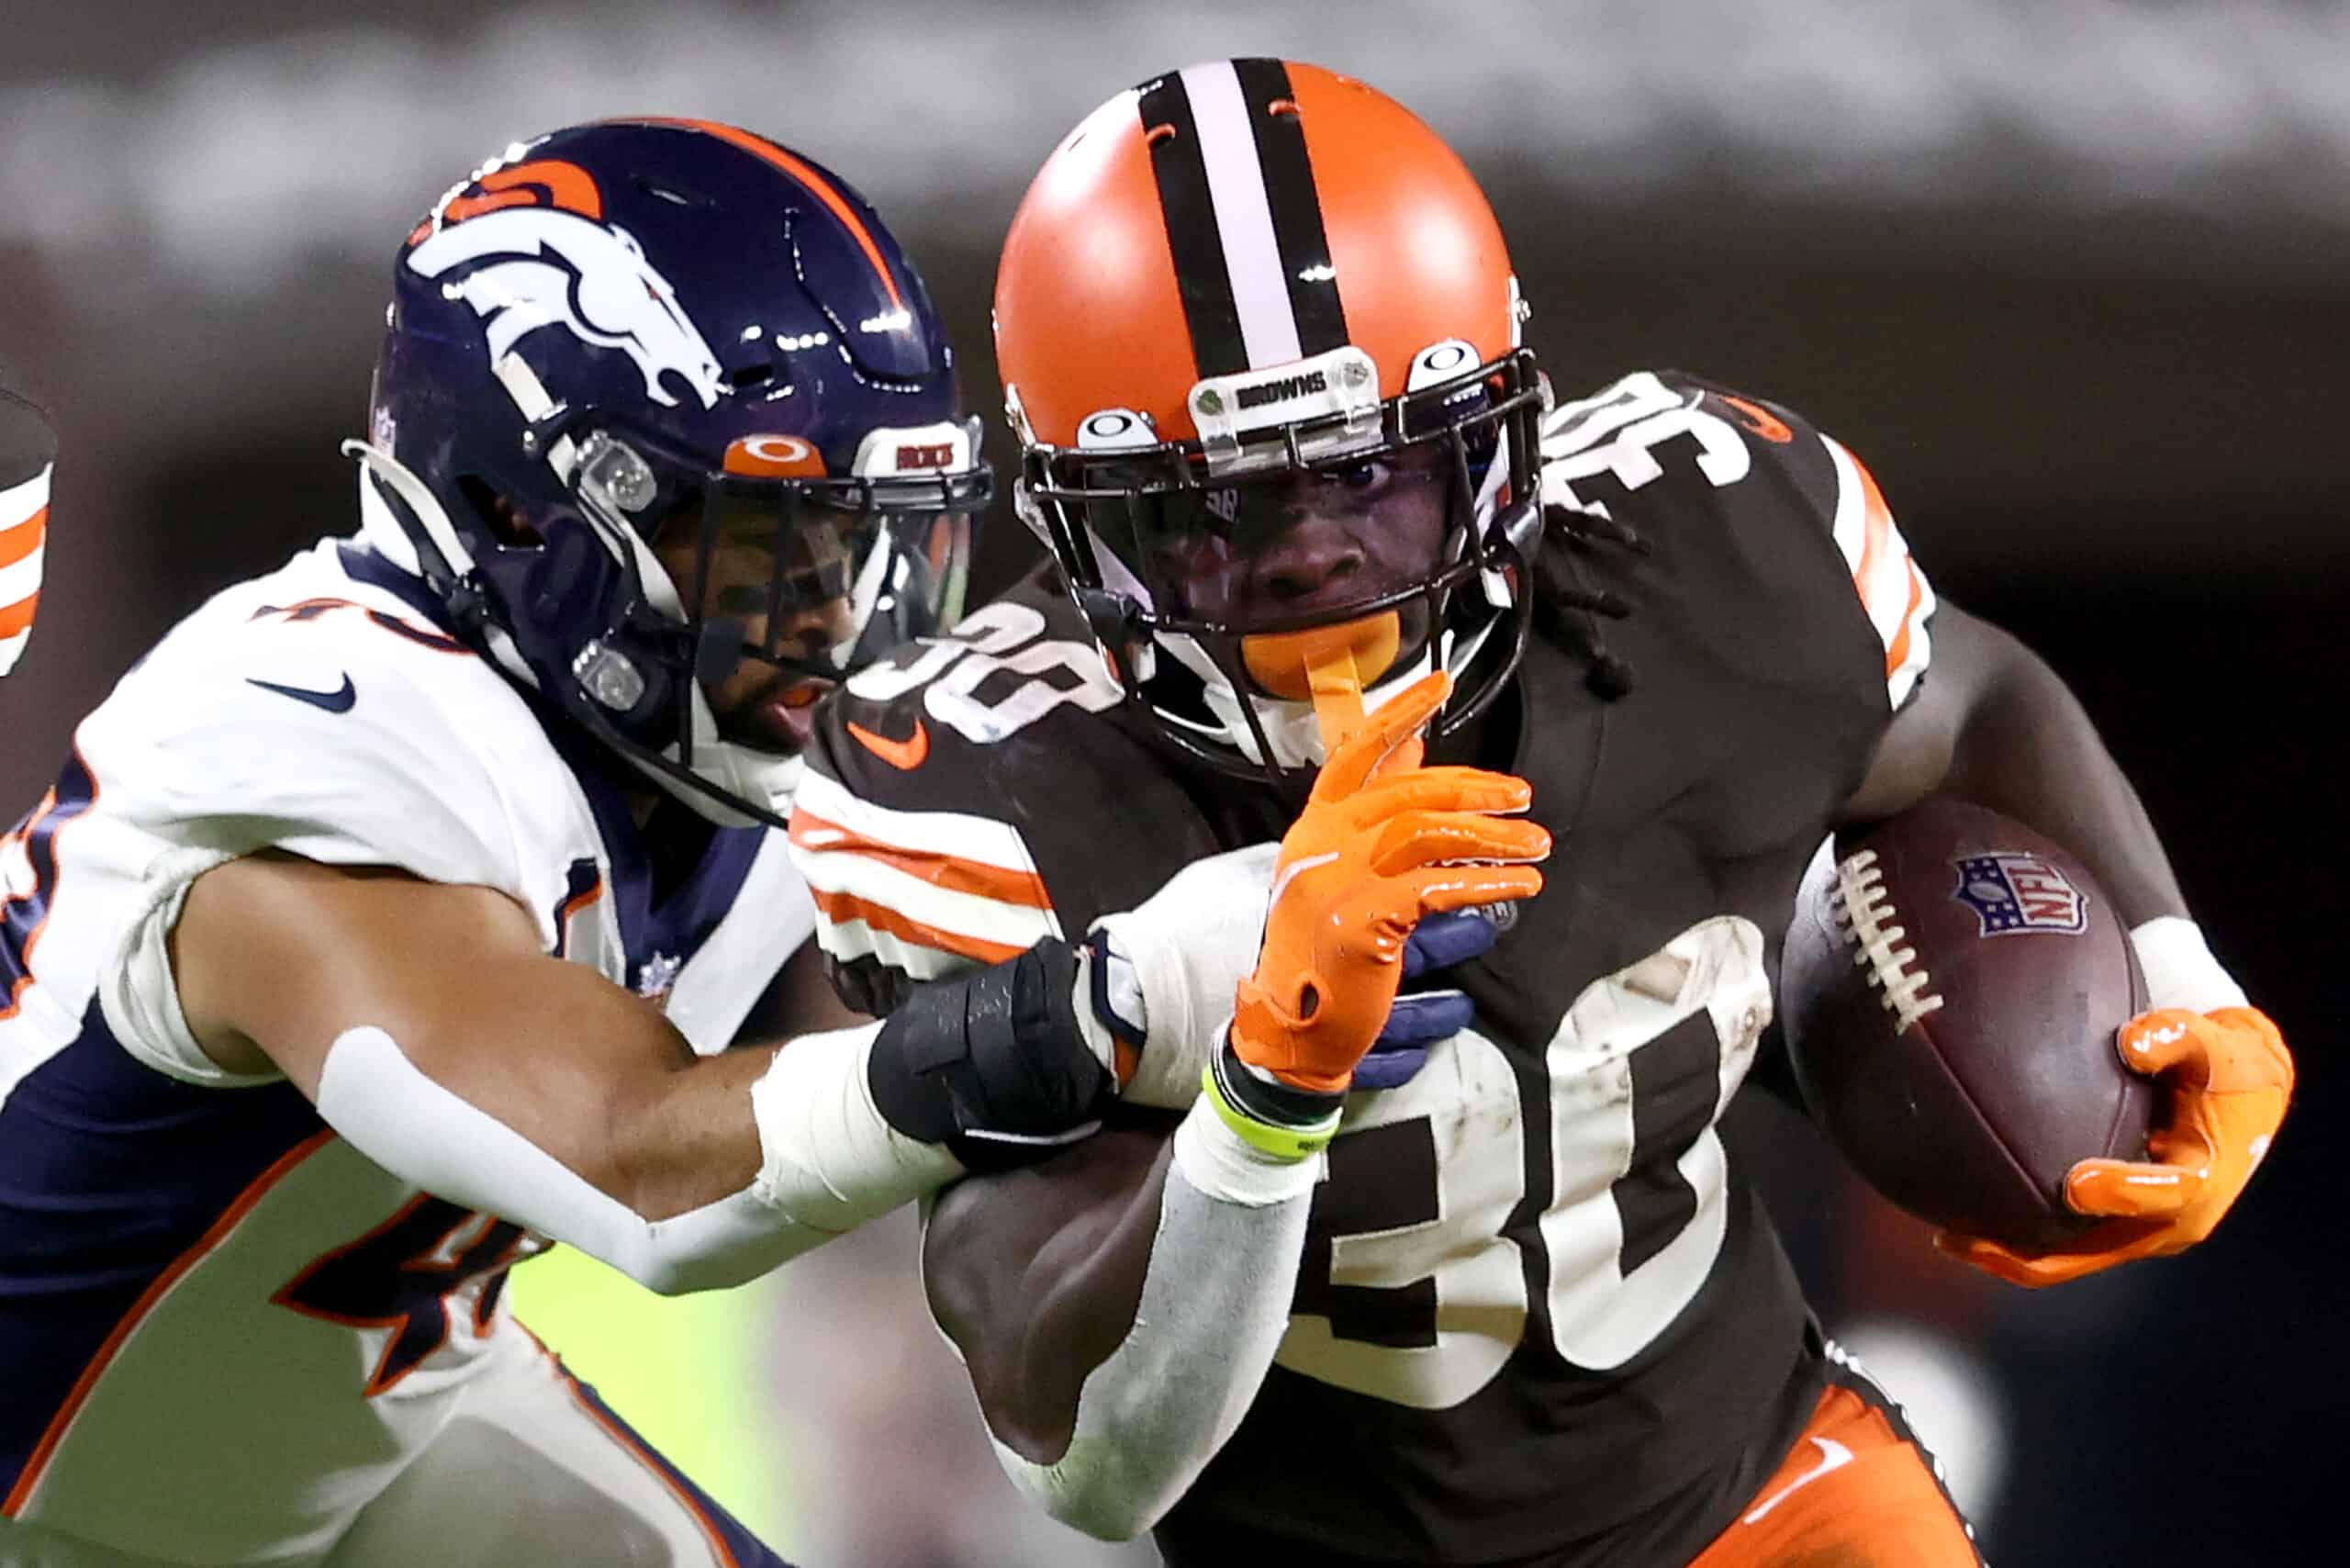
(1260, 340)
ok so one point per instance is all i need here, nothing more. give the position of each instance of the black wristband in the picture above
(992, 1064)
(1268, 1100)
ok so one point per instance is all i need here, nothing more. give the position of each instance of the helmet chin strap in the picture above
(387, 532)
(417, 537)
(738, 769)
(418, 529)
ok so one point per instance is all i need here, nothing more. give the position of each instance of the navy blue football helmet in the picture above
(662, 406)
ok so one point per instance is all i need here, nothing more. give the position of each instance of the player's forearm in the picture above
(824, 1162)
(2028, 749)
(702, 1173)
(1214, 1303)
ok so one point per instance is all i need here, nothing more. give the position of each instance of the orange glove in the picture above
(2230, 1076)
(1372, 853)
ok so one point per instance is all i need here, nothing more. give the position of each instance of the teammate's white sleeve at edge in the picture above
(2179, 967)
(1215, 1305)
(828, 1163)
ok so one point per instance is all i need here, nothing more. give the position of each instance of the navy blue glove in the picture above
(1420, 1018)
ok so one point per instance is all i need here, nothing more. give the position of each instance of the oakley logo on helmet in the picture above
(1440, 362)
(524, 268)
(774, 457)
(1113, 429)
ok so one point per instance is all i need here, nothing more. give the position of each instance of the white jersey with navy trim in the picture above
(225, 1330)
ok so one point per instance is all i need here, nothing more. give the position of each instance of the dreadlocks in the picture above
(1567, 608)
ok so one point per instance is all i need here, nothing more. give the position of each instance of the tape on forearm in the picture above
(1232, 1168)
(2179, 969)
(828, 1163)
(1215, 1305)
(827, 1155)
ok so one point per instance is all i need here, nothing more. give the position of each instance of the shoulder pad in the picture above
(343, 731)
(1655, 439)
(905, 823)
(975, 795)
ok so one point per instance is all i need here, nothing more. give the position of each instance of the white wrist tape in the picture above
(824, 1167)
(1214, 1306)
(827, 1157)
(2179, 969)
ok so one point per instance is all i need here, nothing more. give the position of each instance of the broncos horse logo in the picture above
(524, 262)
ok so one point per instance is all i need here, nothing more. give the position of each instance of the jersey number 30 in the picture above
(1415, 1284)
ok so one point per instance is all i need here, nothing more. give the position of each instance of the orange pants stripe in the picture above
(1855, 1491)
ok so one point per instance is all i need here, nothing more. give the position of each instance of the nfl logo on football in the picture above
(2012, 892)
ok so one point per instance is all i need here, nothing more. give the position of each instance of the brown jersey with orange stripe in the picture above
(28, 456)
(1539, 1317)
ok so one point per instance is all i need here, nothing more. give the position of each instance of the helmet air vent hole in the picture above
(750, 375)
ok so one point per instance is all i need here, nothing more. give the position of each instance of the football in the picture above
(1951, 987)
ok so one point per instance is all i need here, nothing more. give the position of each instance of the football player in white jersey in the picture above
(388, 920)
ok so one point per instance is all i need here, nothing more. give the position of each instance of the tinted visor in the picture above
(1425, 519)
(796, 584)
(1299, 547)
(784, 584)
(805, 568)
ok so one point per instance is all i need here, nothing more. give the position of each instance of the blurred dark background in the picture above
(2073, 278)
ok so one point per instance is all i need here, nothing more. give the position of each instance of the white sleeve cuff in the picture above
(826, 1155)
(139, 996)
(1224, 1166)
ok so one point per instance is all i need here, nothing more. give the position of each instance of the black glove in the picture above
(992, 1064)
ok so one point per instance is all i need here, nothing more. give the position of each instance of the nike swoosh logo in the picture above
(1833, 1455)
(337, 701)
(904, 755)
(1295, 869)
(1760, 420)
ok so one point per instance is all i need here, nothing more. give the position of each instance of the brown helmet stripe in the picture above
(1296, 206)
(1193, 238)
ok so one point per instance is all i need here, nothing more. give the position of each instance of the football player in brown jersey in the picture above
(1260, 342)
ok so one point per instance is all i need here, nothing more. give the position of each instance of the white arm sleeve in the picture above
(828, 1163)
(1215, 1305)
(1175, 961)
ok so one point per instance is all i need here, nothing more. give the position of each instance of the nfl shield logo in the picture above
(656, 977)
(2012, 892)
